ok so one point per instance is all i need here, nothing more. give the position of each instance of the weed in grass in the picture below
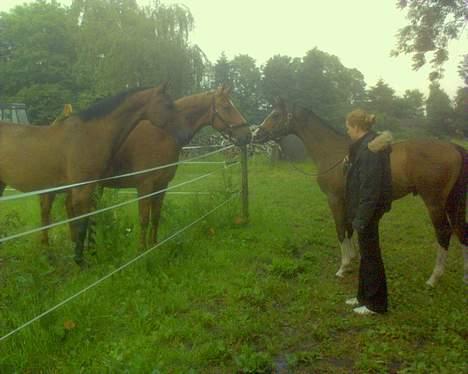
(250, 361)
(285, 268)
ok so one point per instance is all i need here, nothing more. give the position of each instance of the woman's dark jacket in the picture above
(368, 180)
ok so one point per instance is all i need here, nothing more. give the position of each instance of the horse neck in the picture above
(324, 145)
(196, 110)
(113, 129)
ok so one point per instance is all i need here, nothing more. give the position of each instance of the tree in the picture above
(409, 112)
(414, 103)
(182, 64)
(381, 97)
(36, 55)
(50, 54)
(318, 81)
(461, 113)
(440, 115)
(222, 71)
(246, 79)
(463, 69)
(328, 87)
(383, 102)
(432, 24)
(121, 45)
(404, 115)
(280, 78)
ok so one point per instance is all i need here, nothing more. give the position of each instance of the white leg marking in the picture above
(439, 266)
(346, 257)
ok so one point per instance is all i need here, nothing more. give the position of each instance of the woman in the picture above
(368, 197)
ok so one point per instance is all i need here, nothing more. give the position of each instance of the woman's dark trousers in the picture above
(372, 291)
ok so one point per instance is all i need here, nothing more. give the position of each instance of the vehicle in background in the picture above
(15, 112)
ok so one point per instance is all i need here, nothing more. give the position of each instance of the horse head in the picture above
(160, 108)
(276, 125)
(227, 119)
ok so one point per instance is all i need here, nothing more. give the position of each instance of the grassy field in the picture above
(227, 298)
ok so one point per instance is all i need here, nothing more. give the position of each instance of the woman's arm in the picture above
(370, 180)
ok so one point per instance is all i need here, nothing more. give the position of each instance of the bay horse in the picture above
(77, 149)
(149, 146)
(432, 169)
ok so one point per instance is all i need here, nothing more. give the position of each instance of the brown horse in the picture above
(78, 149)
(430, 168)
(149, 146)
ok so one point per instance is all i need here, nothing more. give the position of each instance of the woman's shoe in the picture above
(363, 310)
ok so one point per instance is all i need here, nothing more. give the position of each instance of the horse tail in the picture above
(457, 200)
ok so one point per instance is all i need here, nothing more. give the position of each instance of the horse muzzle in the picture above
(239, 135)
(260, 136)
(242, 139)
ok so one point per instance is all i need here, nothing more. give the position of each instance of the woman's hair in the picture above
(360, 118)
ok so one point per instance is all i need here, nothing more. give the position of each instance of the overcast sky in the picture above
(360, 32)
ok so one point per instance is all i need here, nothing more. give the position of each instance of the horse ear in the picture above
(224, 89)
(280, 103)
(227, 89)
(161, 89)
(164, 87)
(67, 110)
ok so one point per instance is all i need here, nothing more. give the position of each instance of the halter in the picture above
(326, 171)
(288, 129)
(228, 128)
(285, 129)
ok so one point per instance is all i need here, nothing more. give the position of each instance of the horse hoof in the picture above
(340, 274)
(430, 283)
(81, 263)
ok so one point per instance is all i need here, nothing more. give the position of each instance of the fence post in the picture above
(275, 153)
(245, 185)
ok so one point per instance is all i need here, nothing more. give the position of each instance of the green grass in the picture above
(226, 298)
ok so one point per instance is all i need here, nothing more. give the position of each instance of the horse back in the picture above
(424, 167)
(30, 156)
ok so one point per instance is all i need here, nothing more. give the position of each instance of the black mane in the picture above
(107, 105)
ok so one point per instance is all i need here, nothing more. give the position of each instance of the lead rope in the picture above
(312, 174)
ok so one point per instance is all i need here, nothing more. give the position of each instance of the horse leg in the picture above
(144, 208)
(96, 197)
(465, 263)
(348, 255)
(46, 201)
(81, 201)
(69, 209)
(156, 205)
(463, 240)
(2, 189)
(348, 252)
(436, 208)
